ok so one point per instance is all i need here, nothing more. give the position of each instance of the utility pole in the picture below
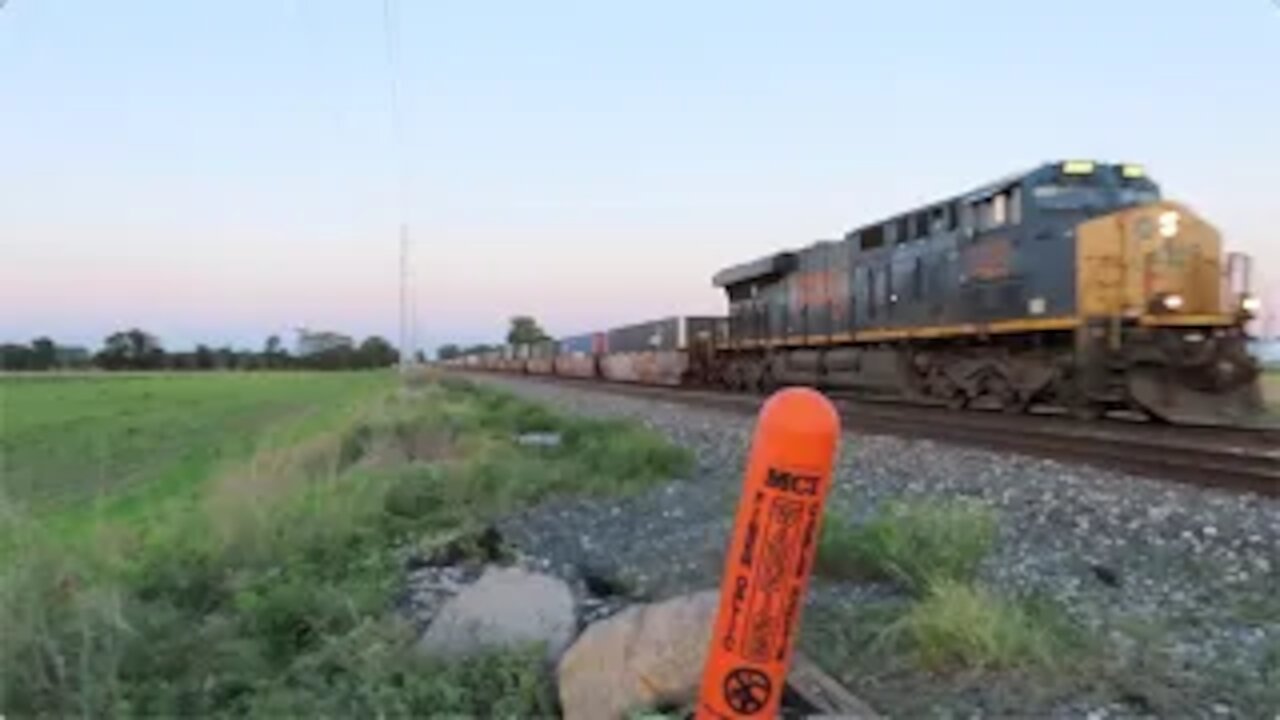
(405, 351)
(413, 302)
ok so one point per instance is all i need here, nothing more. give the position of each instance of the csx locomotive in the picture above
(1073, 284)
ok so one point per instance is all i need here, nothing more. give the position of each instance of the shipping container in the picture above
(581, 344)
(673, 333)
(645, 336)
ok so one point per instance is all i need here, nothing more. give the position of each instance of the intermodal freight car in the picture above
(657, 352)
(1072, 284)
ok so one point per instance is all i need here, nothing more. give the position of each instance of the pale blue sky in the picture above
(220, 171)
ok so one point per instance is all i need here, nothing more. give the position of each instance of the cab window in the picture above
(968, 219)
(983, 216)
(940, 219)
(872, 237)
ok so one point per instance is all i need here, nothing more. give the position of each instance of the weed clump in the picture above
(946, 621)
(916, 544)
(624, 453)
(962, 625)
(417, 494)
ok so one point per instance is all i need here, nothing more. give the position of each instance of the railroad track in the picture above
(1238, 459)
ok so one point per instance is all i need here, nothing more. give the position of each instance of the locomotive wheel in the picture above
(1005, 396)
(1087, 412)
(1016, 404)
(957, 399)
(734, 378)
(766, 383)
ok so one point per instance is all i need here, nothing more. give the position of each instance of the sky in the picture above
(217, 172)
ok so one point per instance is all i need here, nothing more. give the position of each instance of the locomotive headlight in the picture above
(1251, 303)
(1169, 223)
(1171, 302)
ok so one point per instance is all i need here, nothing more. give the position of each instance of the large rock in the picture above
(505, 608)
(644, 657)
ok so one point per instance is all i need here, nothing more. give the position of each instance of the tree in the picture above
(15, 357)
(72, 356)
(204, 357)
(524, 331)
(271, 352)
(340, 357)
(224, 358)
(448, 351)
(115, 353)
(315, 342)
(376, 352)
(44, 354)
(131, 349)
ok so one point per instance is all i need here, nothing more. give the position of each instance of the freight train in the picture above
(1073, 285)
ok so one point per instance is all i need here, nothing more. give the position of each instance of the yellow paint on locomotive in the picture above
(875, 335)
(1159, 264)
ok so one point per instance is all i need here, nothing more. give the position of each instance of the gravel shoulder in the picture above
(1179, 586)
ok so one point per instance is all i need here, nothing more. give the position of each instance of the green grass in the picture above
(966, 626)
(117, 444)
(943, 622)
(915, 544)
(915, 655)
(271, 592)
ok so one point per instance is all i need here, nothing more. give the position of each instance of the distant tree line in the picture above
(448, 351)
(136, 349)
(523, 330)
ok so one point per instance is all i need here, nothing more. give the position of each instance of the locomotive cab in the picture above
(1156, 300)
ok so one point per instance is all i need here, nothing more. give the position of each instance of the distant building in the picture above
(70, 356)
(312, 343)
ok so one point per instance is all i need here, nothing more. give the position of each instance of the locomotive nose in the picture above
(1178, 255)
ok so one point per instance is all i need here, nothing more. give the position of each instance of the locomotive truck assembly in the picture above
(1073, 285)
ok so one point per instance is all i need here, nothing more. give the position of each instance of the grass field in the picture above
(234, 544)
(118, 443)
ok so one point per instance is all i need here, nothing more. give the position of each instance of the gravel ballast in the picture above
(1180, 585)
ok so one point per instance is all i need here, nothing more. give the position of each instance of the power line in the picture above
(405, 351)
(408, 321)
(391, 40)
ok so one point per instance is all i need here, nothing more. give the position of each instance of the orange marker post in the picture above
(766, 573)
